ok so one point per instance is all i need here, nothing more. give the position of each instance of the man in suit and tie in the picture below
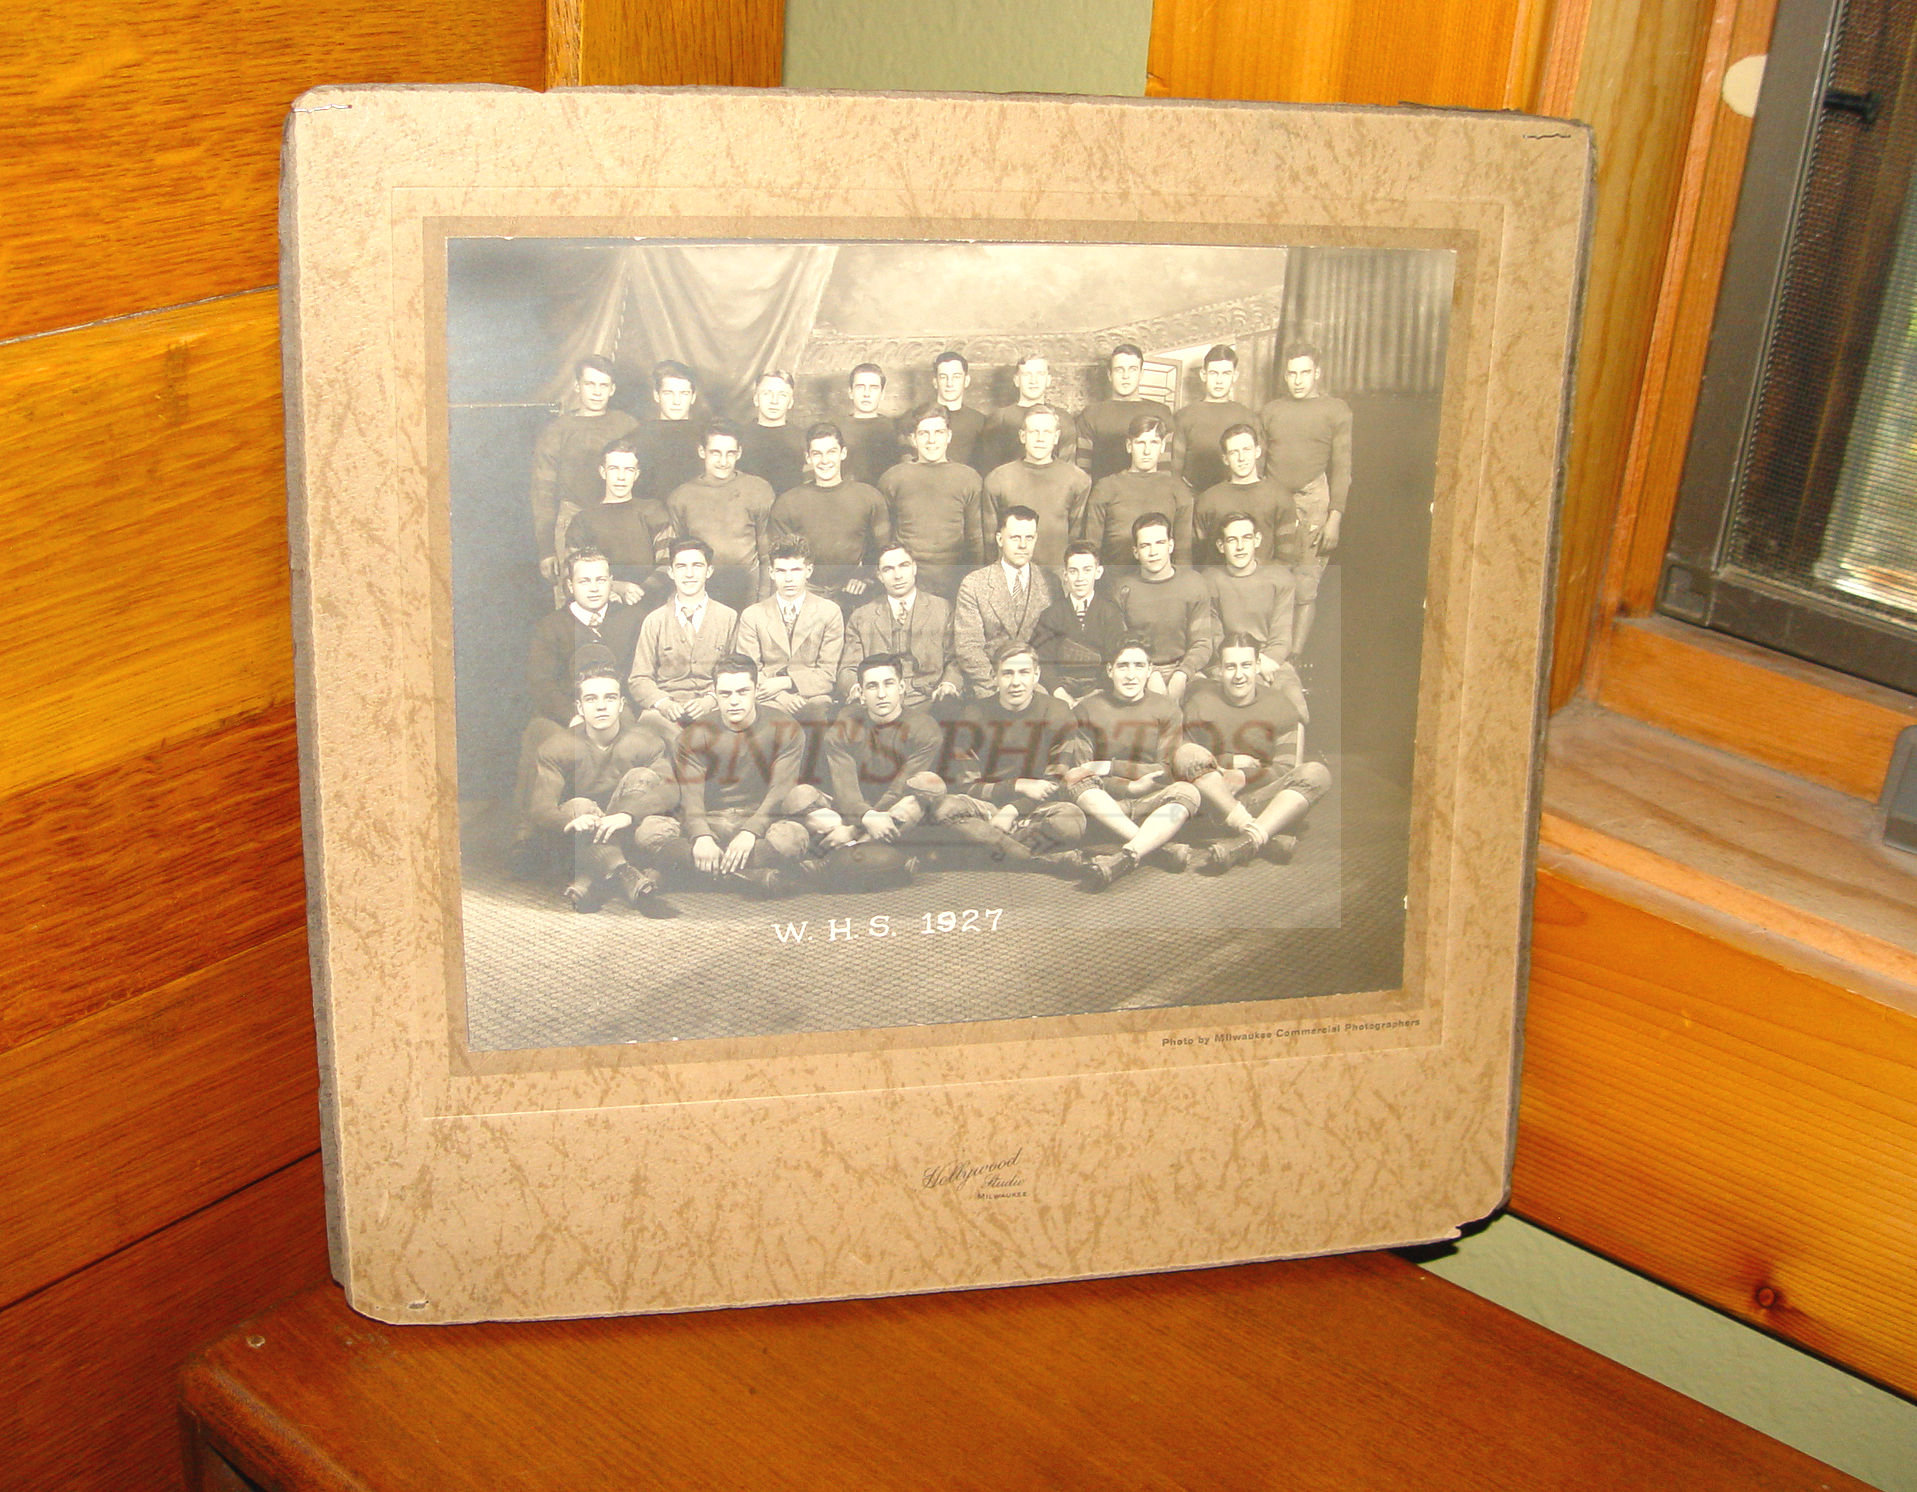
(1079, 631)
(913, 625)
(671, 679)
(1000, 603)
(795, 636)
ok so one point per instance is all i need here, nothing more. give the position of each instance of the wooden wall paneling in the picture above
(89, 1366)
(1729, 1125)
(1795, 716)
(117, 1125)
(135, 875)
(731, 43)
(139, 163)
(143, 579)
(1636, 81)
(1482, 54)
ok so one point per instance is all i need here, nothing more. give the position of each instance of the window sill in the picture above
(1720, 1059)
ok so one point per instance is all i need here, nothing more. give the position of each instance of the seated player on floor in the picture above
(745, 814)
(872, 752)
(1004, 758)
(593, 782)
(1126, 788)
(1236, 729)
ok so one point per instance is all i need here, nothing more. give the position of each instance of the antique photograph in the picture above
(864, 635)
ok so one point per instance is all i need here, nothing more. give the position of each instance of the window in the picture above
(1796, 524)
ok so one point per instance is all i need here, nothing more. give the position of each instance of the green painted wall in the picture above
(1098, 46)
(989, 46)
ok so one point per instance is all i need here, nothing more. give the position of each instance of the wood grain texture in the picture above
(724, 43)
(1735, 1128)
(1636, 83)
(140, 167)
(1457, 52)
(147, 871)
(155, 1108)
(1694, 269)
(88, 1366)
(1799, 861)
(143, 569)
(1352, 1372)
(1797, 717)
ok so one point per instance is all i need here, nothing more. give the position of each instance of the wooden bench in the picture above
(1354, 1372)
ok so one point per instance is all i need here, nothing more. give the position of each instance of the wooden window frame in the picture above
(1810, 721)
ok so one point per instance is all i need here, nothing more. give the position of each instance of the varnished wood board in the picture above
(88, 1366)
(162, 1104)
(1733, 1127)
(720, 43)
(1356, 1372)
(1789, 857)
(1637, 77)
(147, 495)
(1794, 716)
(1451, 52)
(148, 870)
(140, 161)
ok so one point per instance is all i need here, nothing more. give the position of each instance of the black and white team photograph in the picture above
(876, 634)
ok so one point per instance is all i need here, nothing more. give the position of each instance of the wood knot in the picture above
(1766, 1297)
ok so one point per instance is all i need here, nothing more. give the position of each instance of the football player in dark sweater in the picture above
(1200, 427)
(744, 808)
(1125, 788)
(592, 783)
(669, 442)
(845, 524)
(937, 506)
(1122, 498)
(1308, 452)
(630, 531)
(1235, 731)
(566, 455)
(771, 448)
(951, 377)
(871, 439)
(1033, 379)
(1004, 758)
(1104, 424)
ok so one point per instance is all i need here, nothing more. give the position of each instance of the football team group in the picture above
(836, 655)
